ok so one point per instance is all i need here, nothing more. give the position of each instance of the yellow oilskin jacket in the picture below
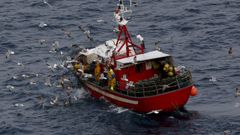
(111, 79)
(113, 83)
(97, 72)
(77, 66)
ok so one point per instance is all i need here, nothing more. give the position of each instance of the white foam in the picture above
(117, 109)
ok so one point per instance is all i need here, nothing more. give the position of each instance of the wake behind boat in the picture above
(124, 74)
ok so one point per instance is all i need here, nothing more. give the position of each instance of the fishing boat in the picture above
(121, 72)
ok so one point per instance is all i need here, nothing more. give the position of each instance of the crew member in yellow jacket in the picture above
(113, 83)
(111, 79)
(168, 69)
(97, 72)
(79, 67)
(76, 66)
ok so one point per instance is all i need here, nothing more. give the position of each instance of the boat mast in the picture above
(124, 39)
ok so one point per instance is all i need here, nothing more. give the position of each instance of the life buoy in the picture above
(194, 91)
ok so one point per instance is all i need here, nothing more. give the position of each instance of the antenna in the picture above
(122, 9)
(125, 46)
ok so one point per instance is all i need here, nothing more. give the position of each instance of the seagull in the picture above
(78, 94)
(115, 29)
(61, 65)
(9, 52)
(52, 66)
(230, 51)
(32, 82)
(100, 20)
(70, 61)
(53, 50)
(36, 74)
(81, 28)
(20, 64)
(157, 47)
(48, 82)
(21, 105)
(10, 87)
(134, 3)
(15, 77)
(213, 79)
(67, 33)
(42, 41)
(66, 80)
(54, 101)
(69, 66)
(42, 25)
(67, 102)
(86, 32)
(66, 83)
(55, 44)
(40, 100)
(75, 98)
(227, 132)
(156, 43)
(140, 37)
(237, 92)
(25, 76)
(57, 84)
(45, 2)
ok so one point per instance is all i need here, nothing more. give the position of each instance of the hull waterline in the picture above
(165, 102)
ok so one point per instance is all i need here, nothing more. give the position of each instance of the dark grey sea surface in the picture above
(198, 33)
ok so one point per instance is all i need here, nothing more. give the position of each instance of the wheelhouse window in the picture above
(139, 68)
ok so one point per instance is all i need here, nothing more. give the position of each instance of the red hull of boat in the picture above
(165, 102)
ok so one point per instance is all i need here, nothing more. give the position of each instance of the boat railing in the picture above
(157, 86)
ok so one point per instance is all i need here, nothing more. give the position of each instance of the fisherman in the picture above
(165, 69)
(79, 68)
(113, 82)
(86, 68)
(103, 80)
(97, 72)
(92, 67)
(76, 66)
(111, 78)
(168, 69)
